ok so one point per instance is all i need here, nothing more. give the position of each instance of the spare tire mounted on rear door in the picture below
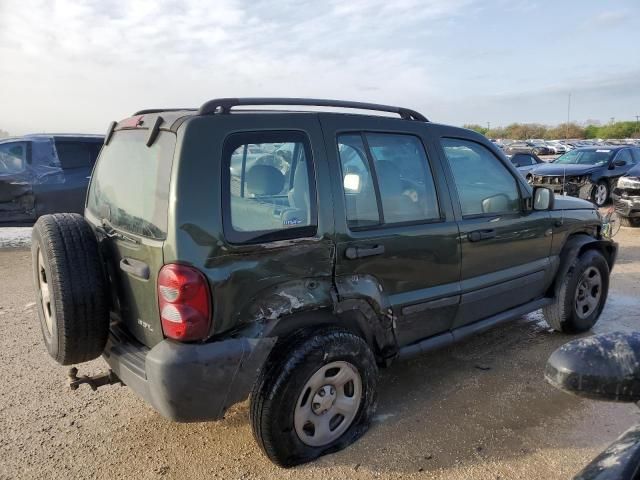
(71, 289)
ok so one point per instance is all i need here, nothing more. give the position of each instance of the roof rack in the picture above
(159, 110)
(224, 105)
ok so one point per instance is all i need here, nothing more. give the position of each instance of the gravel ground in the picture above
(479, 410)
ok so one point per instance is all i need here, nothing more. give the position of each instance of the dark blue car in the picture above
(42, 174)
(590, 173)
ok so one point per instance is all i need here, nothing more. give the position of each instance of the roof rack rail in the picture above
(159, 110)
(224, 105)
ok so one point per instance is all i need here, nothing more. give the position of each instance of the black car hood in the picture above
(563, 202)
(557, 169)
(634, 172)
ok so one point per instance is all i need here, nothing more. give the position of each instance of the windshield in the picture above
(585, 157)
(130, 184)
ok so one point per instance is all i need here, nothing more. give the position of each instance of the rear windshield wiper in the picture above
(111, 232)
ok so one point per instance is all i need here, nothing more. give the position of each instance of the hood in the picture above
(563, 202)
(556, 169)
(634, 172)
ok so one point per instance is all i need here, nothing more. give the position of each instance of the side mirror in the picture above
(603, 367)
(543, 198)
(619, 163)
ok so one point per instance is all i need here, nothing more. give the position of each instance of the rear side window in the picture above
(77, 154)
(484, 185)
(269, 187)
(130, 184)
(13, 158)
(386, 179)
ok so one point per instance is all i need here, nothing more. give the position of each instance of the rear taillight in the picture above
(183, 297)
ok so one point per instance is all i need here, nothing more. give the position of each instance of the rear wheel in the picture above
(315, 395)
(71, 290)
(582, 295)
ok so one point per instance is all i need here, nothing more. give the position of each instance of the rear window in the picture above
(130, 184)
(77, 154)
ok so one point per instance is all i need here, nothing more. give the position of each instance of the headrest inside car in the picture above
(264, 180)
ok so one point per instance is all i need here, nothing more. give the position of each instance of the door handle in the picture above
(480, 235)
(135, 267)
(360, 252)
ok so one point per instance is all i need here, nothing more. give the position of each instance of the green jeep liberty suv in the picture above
(229, 252)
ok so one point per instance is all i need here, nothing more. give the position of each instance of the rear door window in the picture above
(130, 184)
(269, 187)
(74, 154)
(386, 179)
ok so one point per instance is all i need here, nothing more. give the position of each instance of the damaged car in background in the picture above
(590, 173)
(41, 174)
(626, 197)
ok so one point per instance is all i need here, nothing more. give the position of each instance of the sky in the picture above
(76, 65)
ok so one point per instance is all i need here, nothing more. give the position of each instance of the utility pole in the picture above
(488, 126)
(566, 130)
(637, 120)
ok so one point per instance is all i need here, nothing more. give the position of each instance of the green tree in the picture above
(476, 128)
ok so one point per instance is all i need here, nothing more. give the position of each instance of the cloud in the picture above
(608, 19)
(96, 60)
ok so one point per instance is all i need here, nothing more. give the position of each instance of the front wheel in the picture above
(316, 395)
(600, 193)
(582, 295)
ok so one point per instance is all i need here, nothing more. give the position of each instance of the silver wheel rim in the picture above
(588, 292)
(328, 404)
(45, 294)
(601, 194)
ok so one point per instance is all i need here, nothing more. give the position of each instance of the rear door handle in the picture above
(360, 252)
(135, 267)
(480, 235)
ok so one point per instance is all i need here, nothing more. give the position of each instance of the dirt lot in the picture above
(480, 410)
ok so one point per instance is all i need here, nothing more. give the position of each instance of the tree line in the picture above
(522, 131)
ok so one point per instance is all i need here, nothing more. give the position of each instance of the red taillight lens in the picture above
(183, 298)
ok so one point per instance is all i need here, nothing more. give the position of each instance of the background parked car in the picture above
(589, 172)
(626, 197)
(528, 147)
(42, 174)
(524, 162)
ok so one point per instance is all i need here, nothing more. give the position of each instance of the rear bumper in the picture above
(189, 382)
(626, 206)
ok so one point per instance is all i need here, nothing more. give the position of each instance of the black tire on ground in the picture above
(292, 364)
(563, 315)
(68, 271)
(629, 221)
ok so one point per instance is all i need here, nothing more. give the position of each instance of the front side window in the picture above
(386, 179)
(484, 184)
(270, 188)
(13, 158)
(625, 156)
(520, 160)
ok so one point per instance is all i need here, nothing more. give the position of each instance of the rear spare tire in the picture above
(71, 290)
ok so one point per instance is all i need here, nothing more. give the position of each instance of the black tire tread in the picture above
(559, 315)
(286, 355)
(78, 286)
